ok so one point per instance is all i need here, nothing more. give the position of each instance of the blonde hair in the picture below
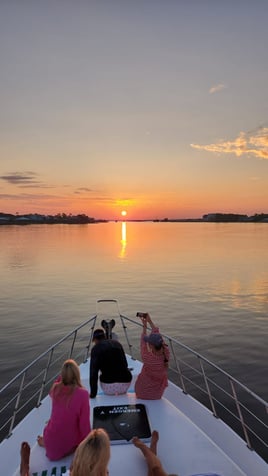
(92, 456)
(70, 377)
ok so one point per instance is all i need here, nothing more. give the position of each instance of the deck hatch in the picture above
(122, 422)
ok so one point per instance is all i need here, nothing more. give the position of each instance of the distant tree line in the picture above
(82, 218)
(220, 217)
(235, 217)
(10, 219)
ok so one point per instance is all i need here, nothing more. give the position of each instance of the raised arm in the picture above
(144, 323)
(149, 320)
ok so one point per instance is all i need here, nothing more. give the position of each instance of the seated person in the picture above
(108, 358)
(153, 379)
(69, 421)
(91, 456)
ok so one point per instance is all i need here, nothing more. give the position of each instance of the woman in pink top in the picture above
(69, 420)
(152, 380)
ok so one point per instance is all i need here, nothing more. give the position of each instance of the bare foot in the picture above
(153, 446)
(40, 440)
(147, 452)
(154, 440)
(153, 462)
(24, 459)
(137, 442)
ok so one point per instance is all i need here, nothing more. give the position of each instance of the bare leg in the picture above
(25, 459)
(153, 462)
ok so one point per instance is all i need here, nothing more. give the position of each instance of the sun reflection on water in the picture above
(123, 239)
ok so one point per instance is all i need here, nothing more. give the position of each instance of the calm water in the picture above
(204, 283)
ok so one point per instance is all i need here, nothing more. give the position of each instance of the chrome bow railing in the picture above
(226, 397)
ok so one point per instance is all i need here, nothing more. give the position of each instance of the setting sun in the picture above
(123, 213)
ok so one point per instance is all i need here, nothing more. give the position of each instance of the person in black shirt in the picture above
(108, 358)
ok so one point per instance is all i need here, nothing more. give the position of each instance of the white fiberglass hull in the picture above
(192, 441)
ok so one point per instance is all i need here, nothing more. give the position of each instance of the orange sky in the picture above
(161, 112)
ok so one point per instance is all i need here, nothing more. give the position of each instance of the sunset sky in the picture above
(156, 107)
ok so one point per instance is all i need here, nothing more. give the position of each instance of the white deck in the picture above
(191, 441)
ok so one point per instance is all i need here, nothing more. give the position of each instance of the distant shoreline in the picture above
(82, 219)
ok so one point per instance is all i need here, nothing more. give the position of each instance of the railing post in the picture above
(207, 387)
(44, 378)
(126, 336)
(179, 372)
(240, 415)
(72, 348)
(16, 405)
(90, 340)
